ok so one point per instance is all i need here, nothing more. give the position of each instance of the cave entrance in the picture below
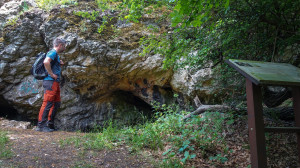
(7, 111)
(131, 109)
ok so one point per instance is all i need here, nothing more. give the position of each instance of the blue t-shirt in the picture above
(55, 65)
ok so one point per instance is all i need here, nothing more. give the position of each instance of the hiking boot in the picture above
(38, 129)
(51, 126)
(47, 129)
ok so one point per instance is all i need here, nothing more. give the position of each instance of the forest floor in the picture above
(32, 149)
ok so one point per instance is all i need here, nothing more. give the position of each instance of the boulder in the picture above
(201, 83)
(14, 124)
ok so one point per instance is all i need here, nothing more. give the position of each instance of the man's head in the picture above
(59, 45)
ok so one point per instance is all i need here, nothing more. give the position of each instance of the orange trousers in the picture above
(51, 103)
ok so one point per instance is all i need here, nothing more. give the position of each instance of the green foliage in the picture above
(195, 13)
(239, 29)
(88, 15)
(206, 32)
(12, 21)
(186, 140)
(132, 10)
(99, 139)
(24, 6)
(5, 152)
(171, 162)
(108, 4)
(218, 158)
(49, 4)
(103, 4)
(93, 16)
(147, 136)
(116, 31)
(137, 8)
(103, 25)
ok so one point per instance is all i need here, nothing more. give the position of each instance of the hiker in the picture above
(51, 102)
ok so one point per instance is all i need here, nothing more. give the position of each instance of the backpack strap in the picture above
(55, 60)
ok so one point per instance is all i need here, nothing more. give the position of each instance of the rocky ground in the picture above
(37, 149)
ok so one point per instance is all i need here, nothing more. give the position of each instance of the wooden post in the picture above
(296, 104)
(256, 125)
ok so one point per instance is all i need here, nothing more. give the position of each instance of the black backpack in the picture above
(38, 69)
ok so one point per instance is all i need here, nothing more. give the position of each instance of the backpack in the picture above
(38, 69)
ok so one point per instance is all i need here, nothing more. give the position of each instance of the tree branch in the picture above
(203, 108)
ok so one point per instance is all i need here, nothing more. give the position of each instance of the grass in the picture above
(180, 141)
(5, 151)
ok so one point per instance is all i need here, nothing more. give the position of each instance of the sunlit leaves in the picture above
(195, 13)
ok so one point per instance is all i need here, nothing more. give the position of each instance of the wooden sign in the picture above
(267, 73)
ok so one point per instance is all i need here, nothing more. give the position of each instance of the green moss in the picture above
(88, 28)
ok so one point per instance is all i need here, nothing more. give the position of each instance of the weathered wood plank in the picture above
(267, 73)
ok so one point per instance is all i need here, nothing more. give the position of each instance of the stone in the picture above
(4, 123)
(193, 83)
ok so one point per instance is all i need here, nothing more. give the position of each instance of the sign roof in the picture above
(267, 73)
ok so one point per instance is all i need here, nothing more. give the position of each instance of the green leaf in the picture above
(227, 4)
(230, 122)
(186, 153)
(193, 156)
(167, 151)
(172, 154)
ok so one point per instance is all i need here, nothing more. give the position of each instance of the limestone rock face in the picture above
(199, 83)
(103, 78)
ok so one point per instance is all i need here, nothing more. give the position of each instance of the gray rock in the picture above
(193, 83)
(14, 124)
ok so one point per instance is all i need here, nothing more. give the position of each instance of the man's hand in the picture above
(61, 62)
(54, 76)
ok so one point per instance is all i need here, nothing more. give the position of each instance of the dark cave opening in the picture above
(128, 110)
(7, 111)
(130, 99)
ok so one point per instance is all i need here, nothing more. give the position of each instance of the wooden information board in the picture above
(266, 73)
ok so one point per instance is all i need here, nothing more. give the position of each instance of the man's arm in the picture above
(47, 64)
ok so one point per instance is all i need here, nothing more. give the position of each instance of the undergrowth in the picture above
(177, 140)
(5, 151)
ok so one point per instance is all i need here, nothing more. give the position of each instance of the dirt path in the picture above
(37, 150)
